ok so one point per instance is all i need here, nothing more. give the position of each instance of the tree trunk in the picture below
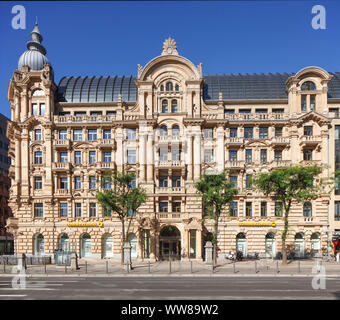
(123, 241)
(215, 242)
(284, 237)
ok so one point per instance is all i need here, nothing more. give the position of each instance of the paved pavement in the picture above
(225, 268)
(169, 288)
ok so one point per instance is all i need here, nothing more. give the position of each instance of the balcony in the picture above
(170, 138)
(62, 192)
(170, 163)
(256, 116)
(310, 140)
(107, 142)
(62, 143)
(170, 190)
(105, 165)
(62, 166)
(168, 215)
(308, 219)
(280, 163)
(234, 141)
(281, 141)
(84, 119)
(235, 164)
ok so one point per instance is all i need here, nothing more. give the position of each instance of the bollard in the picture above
(4, 266)
(212, 268)
(190, 266)
(169, 265)
(255, 267)
(149, 267)
(277, 266)
(234, 269)
(127, 268)
(107, 267)
(86, 267)
(299, 268)
(45, 266)
(65, 268)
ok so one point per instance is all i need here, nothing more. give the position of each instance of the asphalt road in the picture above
(144, 288)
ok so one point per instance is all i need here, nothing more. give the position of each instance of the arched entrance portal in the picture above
(270, 245)
(170, 243)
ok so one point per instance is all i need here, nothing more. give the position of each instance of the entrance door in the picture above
(107, 246)
(86, 245)
(241, 243)
(270, 245)
(170, 243)
(299, 246)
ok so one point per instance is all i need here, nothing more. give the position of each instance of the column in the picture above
(198, 244)
(189, 157)
(119, 152)
(150, 158)
(197, 155)
(220, 156)
(142, 155)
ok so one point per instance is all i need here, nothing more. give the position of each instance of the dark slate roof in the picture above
(233, 87)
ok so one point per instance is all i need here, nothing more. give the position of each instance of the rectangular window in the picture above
(34, 109)
(63, 209)
(78, 209)
(248, 181)
(307, 154)
(107, 183)
(278, 110)
(63, 157)
(38, 210)
(131, 134)
(63, 183)
(208, 211)
(163, 207)
(233, 181)
(176, 182)
(233, 132)
(176, 207)
(244, 111)
(106, 211)
(248, 133)
(107, 134)
(248, 209)
(261, 111)
(92, 157)
(131, 156)
(107, 156)
(133, 182)
(208, 155)
(303, 103)
(263, 155)
(278, 131)
(248, 155)
(208, 133)
(77, 183)
(38, 157)
(163, 182)
(163, 154)
(38, 183)
(263, 133)
(263, 209)
(278, 155)
(312, 102)
(92, 182)
(307, 130)
(278, 209)
(42, 109)
(232, 155)
(93, 209)
(77, 157)
(233, 209)
(92, 135)
(176, 154)
(337, 211)
(38, 136)
(77, 135)
(63, 134)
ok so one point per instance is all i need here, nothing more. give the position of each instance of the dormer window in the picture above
(308, 86)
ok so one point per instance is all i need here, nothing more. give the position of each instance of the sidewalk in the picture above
(225, 268)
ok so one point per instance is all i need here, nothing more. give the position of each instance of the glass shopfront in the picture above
(170, 243)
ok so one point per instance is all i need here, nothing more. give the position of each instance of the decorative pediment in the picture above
(82, 145)
(314, 116)
(257, 143)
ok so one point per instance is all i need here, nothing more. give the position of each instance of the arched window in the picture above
(164, 131)
(307, 209)
(174, 107)
(64, 243)
(165, 106)
(175, 130)
(169, 86)
(176, 87)
(39, 244)
(162, 88)
(308, 85)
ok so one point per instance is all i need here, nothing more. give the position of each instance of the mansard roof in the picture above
(232, 86)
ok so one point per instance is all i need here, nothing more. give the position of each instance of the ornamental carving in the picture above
(169, 47)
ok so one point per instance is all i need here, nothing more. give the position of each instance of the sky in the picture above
(111, 37)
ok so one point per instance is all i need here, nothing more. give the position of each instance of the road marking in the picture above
(13, 295)
(28, 289)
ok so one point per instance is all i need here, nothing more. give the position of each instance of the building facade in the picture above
(168, 125)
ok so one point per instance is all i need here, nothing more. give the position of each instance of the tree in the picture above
(119, 194)
(216, 192)
(288, 184)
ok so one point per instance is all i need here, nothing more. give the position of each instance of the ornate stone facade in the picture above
(164, 127)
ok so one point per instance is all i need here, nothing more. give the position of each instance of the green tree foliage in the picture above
(294, 183)
(122, 198)
(216, 192)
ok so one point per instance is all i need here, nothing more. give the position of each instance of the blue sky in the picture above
(111, 37)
